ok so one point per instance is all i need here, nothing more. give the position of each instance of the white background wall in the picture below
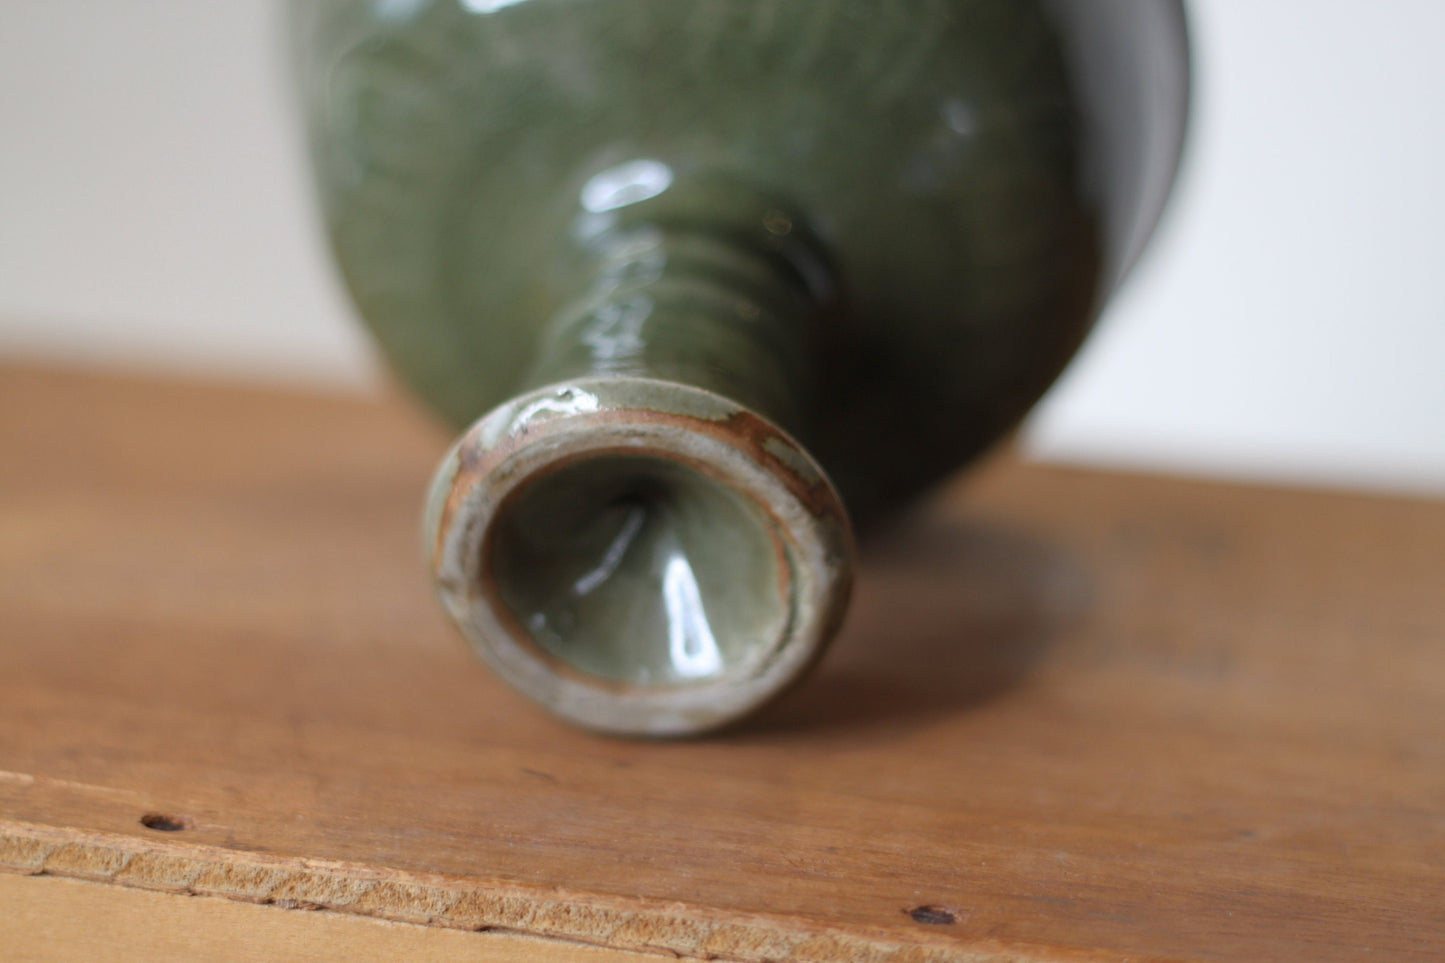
(1289, 323)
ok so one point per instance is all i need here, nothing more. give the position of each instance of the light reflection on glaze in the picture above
(690, 641)
(639, 569)
(625, 184)
(567, 401)
(613, 556)
(615, 333)
(691, 645)
(487, 6)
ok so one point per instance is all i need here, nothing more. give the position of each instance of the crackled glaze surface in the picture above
(815, 252)
(977, 173)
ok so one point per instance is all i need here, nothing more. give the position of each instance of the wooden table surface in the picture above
(1073, 715)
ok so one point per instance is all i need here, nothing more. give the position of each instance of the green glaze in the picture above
(587, 550)
(704, 283)
(869, 233)
(644, 557)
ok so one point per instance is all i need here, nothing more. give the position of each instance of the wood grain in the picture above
(1073, 715)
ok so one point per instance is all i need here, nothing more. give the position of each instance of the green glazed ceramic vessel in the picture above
(703, 279)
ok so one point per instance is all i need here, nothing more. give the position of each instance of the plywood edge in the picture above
(55, 919)
(470, 904)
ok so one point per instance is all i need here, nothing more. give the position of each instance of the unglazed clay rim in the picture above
(541, 430)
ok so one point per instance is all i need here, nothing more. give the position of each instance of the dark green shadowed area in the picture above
(640, 570)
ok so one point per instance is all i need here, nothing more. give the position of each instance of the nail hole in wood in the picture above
(163, 823)
(933, 915)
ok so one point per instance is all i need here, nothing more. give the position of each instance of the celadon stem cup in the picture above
(706, 283)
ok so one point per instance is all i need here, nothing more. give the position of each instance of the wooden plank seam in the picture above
(676, 929)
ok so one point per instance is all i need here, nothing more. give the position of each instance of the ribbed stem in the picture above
(701, 306)
(636, 539)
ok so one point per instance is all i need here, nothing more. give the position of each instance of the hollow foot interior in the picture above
(641, 570)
